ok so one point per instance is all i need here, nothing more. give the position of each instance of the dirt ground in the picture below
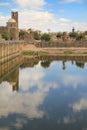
(30, 47)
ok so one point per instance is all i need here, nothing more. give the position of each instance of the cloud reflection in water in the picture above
(24, 102)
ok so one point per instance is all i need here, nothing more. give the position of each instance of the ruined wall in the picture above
(8, 51)
(9, 71)
(3, 29)
(28, 37)
(13, 30)
(62, 44)
(0, 37)
(10, 59)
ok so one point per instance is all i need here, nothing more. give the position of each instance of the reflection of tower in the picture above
(14, 15)
(13, 79)
(64, 66)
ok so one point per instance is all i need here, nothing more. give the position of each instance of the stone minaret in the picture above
(73, 29)
(14, 15)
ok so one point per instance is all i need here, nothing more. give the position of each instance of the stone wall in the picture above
(28, 37)
(0, 37)
(8, 51)
(3, 29)
(63, 44)
(9, 71)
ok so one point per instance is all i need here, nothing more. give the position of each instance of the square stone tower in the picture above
(14, 15)
(12, 26)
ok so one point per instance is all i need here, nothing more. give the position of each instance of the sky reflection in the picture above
(25, 102)
(54, 96)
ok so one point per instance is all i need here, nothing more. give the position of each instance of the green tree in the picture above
(37, 36)
(73, 34)
(30, 30)
(64, 33)
(6, 35)
(21, 34)
(85, 32)
(59, 34)
(80, 36)
(46, 37)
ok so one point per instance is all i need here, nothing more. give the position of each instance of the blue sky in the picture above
(55, 15)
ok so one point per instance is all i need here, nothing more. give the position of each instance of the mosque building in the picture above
(11, 27)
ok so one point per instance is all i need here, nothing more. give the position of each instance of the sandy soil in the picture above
(27, 47)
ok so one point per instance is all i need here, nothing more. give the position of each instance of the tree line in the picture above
(47, 36)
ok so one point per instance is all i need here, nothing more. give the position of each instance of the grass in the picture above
(28, 52)
(85, 52)
(68, 52)
(42, 53)
(35, 53)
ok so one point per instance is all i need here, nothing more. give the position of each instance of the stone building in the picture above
(11, 27)
(26, 35)
(0, 36)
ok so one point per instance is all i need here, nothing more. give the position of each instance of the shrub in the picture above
(37, 36)
(6, 35)
(46, 37)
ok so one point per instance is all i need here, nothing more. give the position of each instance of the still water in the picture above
(48, 95)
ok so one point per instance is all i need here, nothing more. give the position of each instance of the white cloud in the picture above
(69, 120)
(71, 1)
(74, 81)
(80, 25)
(80, 105)
(31, 3)
(64, 20)
(19, 123)
(4, 4)
(44, 20)
(3, 20)
(36, 19)
(25, 102)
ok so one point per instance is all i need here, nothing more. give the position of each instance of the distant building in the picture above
(11, 27)
(26, 35)
(38, 31)
(85, 36)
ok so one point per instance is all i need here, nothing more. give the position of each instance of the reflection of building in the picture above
(30, 62)
(11, 27)
(9, 71)
(13, 79)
